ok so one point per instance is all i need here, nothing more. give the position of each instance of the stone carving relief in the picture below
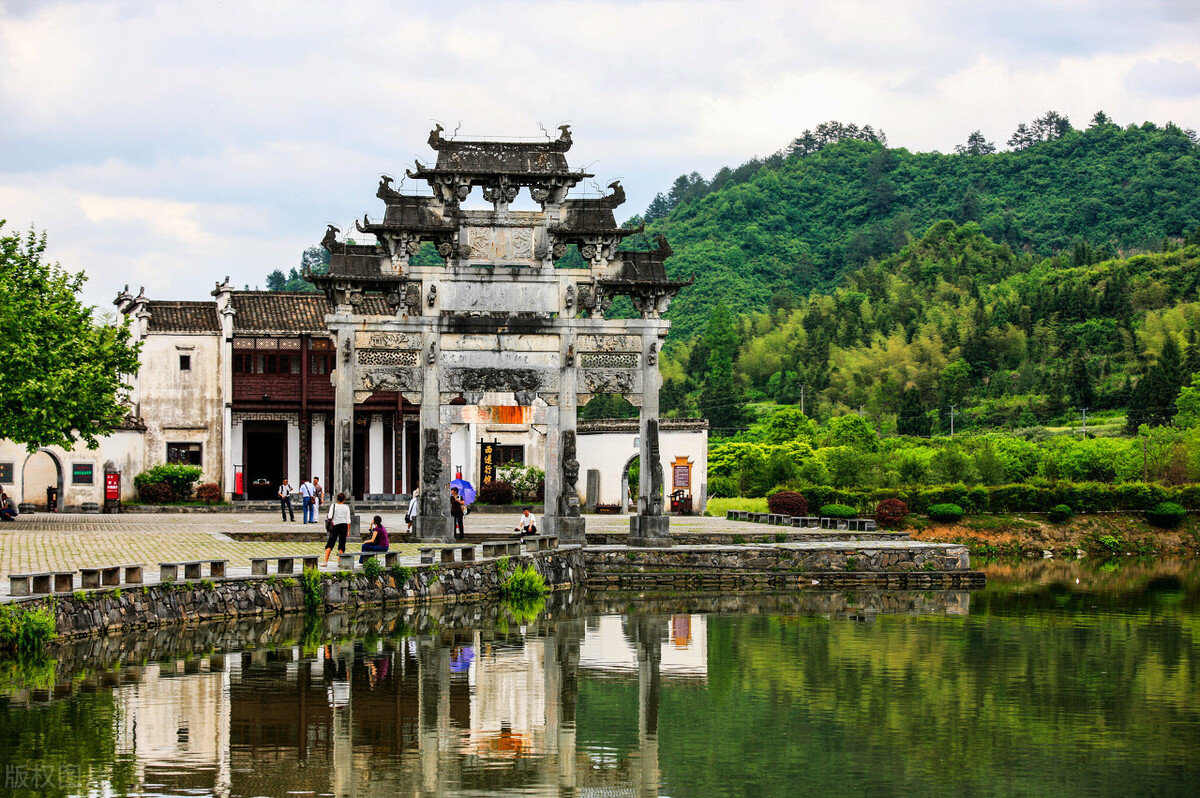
(606, 381)
(654, 505)
(431, 475)
(488, 379)
(500, 244)
(391, 340)
(568, 500)
(401, 379)
(607, 360)
(387, 357)
(610, 343)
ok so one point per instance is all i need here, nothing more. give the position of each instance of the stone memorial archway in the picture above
(497, 324)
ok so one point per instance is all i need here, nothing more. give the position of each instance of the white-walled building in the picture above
(241, 386)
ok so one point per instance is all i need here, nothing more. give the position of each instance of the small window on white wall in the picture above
(185, 362)
(183, 453)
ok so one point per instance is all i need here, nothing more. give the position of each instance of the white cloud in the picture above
(178, 142)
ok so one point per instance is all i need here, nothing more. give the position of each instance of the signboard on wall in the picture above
(112, 486)
(487, 462)
(681, 474)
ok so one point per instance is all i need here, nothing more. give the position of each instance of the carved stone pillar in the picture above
(342, 479)
(650, 527)
(569, 525)
(433, 524)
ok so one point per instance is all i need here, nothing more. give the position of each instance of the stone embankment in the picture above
(91, 612)
(878, 563)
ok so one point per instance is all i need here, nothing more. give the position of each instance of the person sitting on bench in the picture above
(527, 525)
(378, 540)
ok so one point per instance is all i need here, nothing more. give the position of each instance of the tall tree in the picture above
(61, 372)
(976, 145)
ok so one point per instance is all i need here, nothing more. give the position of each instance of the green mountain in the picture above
(773, 230)
(956, 319)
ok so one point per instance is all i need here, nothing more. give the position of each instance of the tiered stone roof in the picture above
(184, 317)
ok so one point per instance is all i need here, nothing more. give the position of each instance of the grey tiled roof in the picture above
(184, 317)
(277, 312)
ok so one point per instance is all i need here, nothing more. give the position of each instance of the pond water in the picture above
(1058, 678)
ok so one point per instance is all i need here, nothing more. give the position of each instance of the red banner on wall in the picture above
(112, 485)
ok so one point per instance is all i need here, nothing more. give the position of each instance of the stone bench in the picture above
(348, 559)
(861, 525)
(169, 571)
(32, 584)
(540, 542)
(465, 553)
(608, 509)
(284, 563)
(806, 521)
(778, 519)
(110, 575)
(501, 548)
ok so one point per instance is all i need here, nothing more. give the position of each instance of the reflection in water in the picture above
(1015, 689)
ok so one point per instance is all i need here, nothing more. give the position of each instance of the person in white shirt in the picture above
(339, 524)
(285, 500)
(414, 508)
(307, 495)
(527, 525)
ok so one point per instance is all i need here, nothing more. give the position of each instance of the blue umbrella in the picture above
(465, 491)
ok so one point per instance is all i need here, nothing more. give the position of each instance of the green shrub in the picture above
(178, 477)
(837, 511)
(523, 585)
(400, 574)
(373, 568)
(24, 631)
(312, 589)
(946, 513)
(722, 487)
(1166, 515)
(1059, 513)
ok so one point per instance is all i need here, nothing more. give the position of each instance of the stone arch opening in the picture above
(41, 470)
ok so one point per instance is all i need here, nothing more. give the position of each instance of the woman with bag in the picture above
(414, 505)
(338, 524)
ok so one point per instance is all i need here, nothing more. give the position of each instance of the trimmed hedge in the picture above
(1037, 497)
(155, 493)
(1166, 515)
(946, 513)
(837, 511)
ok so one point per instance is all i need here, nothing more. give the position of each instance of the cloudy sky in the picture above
(167, 144)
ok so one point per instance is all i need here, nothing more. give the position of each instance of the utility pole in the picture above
(803, 387)
(1085, 422)
(1145, 464)
(952, 407)
(860, 410)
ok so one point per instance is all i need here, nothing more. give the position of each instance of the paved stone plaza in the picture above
(68, 541)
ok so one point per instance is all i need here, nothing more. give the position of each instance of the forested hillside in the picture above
(955, 319)
(776, 229)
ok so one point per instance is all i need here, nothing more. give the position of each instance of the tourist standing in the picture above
(457, 507)
(307, 511)
(414, 507)
(338, 524)
(285, 500)
(318, 495)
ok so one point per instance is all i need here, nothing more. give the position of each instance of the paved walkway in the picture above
(68, 541)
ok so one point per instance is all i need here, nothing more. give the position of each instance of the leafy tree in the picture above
(276, 281)
(912, 418)
(62, 372)
(720, 398)
(788, 424)
(851, 431)
(1080, 383)
(950, 464)
(976, 145)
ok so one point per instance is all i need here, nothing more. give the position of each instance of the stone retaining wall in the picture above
(777, 535)
(185, 602)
